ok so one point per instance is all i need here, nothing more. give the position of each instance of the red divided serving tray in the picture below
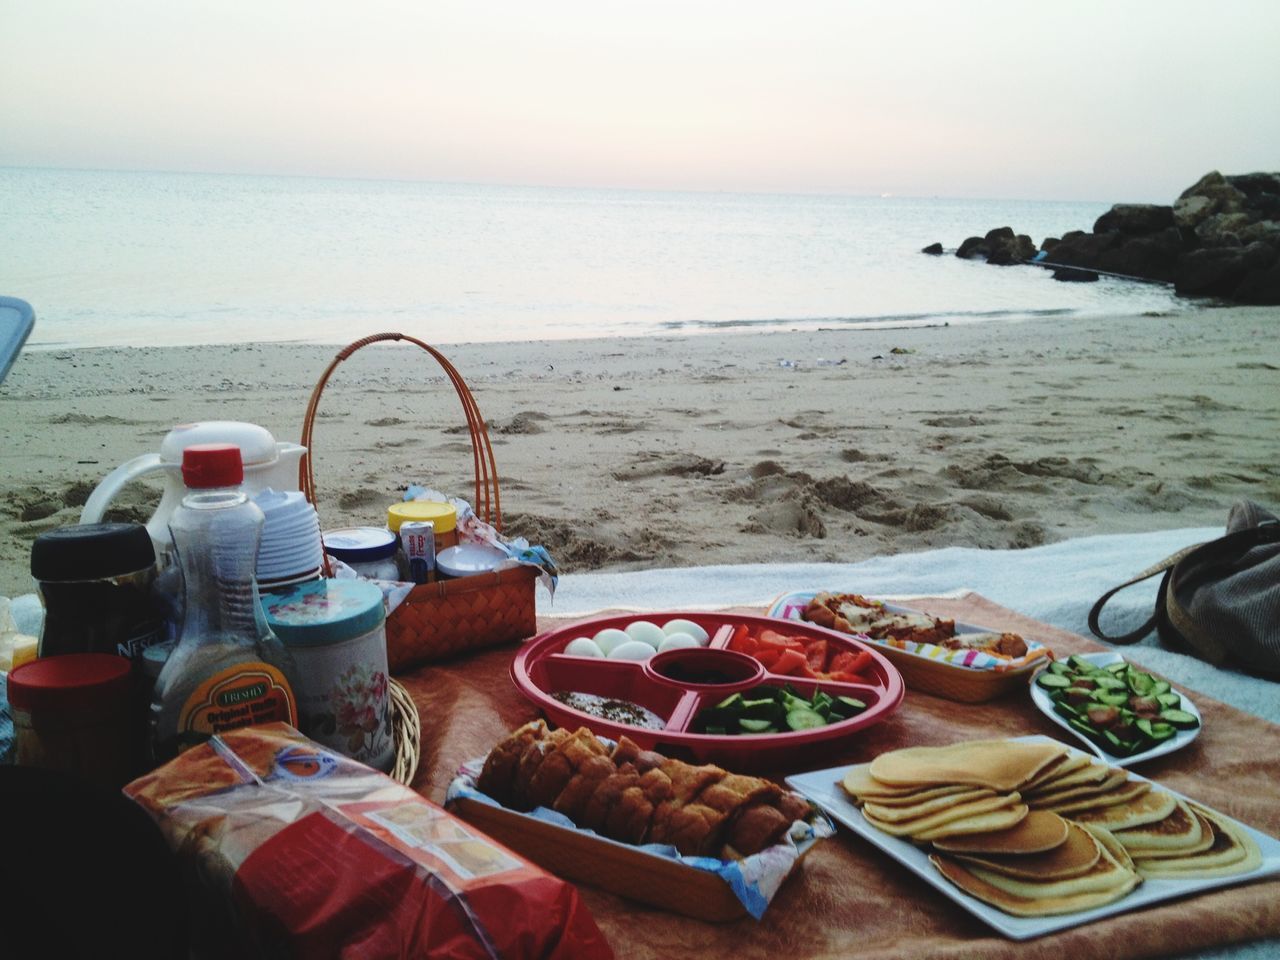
(662, 684)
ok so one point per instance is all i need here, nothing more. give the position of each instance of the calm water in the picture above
(158, 258)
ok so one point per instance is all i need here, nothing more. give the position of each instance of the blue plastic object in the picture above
(16, 320)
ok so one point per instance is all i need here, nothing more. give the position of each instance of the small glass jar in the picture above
(443, 516)
(335, 630)
(76, 714)
(369, 551)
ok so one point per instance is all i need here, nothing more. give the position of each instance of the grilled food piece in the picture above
(638, 796)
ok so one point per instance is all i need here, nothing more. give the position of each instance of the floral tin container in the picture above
(335, 631)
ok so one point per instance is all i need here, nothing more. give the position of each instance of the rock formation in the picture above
(1220, 238)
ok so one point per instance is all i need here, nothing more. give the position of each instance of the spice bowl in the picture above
(704, 668)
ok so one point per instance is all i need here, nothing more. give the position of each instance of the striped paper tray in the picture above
(968, 676)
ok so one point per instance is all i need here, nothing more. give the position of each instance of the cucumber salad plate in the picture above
(1122, 713)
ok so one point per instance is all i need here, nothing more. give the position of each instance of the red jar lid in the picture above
(82, 680)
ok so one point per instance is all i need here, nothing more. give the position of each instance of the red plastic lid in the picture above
(84, 680)
(206, 465)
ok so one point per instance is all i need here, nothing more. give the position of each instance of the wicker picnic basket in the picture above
(451, 617)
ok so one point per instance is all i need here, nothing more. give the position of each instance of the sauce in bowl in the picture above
(612, 709)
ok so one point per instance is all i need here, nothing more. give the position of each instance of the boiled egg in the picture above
(689, 627)
(632, 650)
(607, 639)
(678, 641)
(646, 631)
(583, 647)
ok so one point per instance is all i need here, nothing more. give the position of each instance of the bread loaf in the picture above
(638, 796)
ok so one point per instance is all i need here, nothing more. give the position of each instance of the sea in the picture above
(143, 259)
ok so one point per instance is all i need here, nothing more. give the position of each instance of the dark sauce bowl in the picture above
(705, 668)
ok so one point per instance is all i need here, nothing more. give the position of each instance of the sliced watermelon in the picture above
(741, 641)
(789, 662)
(815, 654)
(842, 662)
(768, 656)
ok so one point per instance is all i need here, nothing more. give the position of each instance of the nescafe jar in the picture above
(96, 581)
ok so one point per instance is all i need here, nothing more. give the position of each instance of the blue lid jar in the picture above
(321, 612)
(334, 629)
(360, 544)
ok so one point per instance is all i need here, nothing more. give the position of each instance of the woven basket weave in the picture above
(451, 617)
(407, 727)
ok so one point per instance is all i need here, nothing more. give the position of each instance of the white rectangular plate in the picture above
(823, 788)
(1040, 697)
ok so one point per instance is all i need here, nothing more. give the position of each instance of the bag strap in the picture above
(1134, 635)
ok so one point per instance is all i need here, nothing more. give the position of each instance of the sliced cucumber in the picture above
(1083, 726)
(1141, 683)
(1112, 698)
(1114, 744)
(717, 717)
(1132, 710)
(1081, 665)
(1179, 719)
(766, 709)
(802, 718)
(842, 708)
(1065, 710)
(1053, 681)
(756, 726)
(732, 702)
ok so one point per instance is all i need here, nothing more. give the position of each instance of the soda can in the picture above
(418, 539)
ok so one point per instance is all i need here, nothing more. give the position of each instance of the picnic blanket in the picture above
(1054, 584)
(848, 899)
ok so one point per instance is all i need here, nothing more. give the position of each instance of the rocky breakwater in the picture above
(1220, 238)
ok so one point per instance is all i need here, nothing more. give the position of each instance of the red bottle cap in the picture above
(206, 465)
(82, 680)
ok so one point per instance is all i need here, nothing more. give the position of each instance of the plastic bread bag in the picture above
(292, 850)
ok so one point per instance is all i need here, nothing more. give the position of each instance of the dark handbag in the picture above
(1220, 600)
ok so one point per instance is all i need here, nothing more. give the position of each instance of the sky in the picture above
(1092, 100)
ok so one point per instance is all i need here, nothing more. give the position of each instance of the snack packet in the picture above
(294, 850)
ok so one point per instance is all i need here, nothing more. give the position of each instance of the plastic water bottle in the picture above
(228, 669)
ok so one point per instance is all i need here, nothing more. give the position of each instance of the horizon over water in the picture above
(143, 259)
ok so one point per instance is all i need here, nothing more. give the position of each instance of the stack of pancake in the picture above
(1037, 829)
(1164, 836)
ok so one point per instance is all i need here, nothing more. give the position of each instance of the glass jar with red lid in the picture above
(75, 713)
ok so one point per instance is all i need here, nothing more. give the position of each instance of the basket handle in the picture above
(488, 503)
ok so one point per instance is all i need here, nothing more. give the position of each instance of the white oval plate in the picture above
(1040, 697)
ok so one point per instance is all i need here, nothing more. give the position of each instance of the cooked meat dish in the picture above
(856, 614)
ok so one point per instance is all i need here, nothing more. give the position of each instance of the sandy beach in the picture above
(751, 448)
